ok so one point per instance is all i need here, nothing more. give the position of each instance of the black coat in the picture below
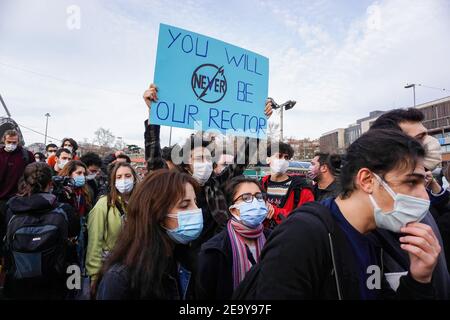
(397, 260)
(309, 257)
(215, 268)
(116, 285)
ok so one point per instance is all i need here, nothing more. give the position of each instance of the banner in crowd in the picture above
(207, 84)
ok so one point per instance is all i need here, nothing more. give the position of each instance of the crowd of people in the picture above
(373, 223)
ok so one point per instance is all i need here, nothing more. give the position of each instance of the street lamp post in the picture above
(170, 137)
(412, 85)
(46, 127)
(287, 105)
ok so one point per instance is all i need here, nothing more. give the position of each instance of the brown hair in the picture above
(70, 168)
(36, 177)
(113, 194)
(143, 245)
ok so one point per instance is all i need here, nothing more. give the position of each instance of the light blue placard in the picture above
(206, 84)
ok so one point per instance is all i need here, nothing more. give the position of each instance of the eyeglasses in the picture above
(248, 197)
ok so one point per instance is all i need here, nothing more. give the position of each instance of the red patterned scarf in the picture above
(237, 233)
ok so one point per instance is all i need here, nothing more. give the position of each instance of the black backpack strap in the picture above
(297, 193)
(122, 213)
(119, 207)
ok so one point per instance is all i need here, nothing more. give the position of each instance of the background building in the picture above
(304, 149)
(437, 122)
(333, 141)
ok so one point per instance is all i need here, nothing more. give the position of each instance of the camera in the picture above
(60, 182)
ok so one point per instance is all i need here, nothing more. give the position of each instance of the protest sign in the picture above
(207, 84)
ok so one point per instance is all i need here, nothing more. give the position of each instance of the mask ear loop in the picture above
(232, 215)
(173, 216)
(386, 186)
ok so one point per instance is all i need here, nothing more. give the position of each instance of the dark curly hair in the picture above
(35, 179)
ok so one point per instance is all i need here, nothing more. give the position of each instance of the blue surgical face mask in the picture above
(251, 214)
(79, 181)
(190, 225)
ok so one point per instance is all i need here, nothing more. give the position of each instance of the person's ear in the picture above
(235, 212)
(365, 180)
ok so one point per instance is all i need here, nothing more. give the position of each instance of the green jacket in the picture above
(101, 241)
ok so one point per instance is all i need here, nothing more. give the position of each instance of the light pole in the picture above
(120, 143)
(287, 105)
(170, 137)
(412, 85)
(46, 127)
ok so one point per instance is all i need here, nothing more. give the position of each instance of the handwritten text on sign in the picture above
(208, 84)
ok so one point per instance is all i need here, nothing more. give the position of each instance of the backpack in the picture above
(36, 245)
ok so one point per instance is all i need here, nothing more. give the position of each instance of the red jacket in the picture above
(299, 192)
(12, 165)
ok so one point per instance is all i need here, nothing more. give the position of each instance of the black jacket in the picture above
(116, 285)
(215, 268)
(397, 260)
(332, 191)
(441, 214)
(309, 257)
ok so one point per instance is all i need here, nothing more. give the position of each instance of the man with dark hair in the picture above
(323, 171)
(284, 192)
(62, 157)
(409, 122)
(322, 252)
(50, 150)
(95, 178)
(406, 120)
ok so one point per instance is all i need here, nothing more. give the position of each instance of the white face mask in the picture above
(125, 185)
(91, 176)
(62, 163)
(445, 184)
(433, 155)
(69, 148)
(10, 147)
(202, 171)
(279, 166)
(406, 209)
